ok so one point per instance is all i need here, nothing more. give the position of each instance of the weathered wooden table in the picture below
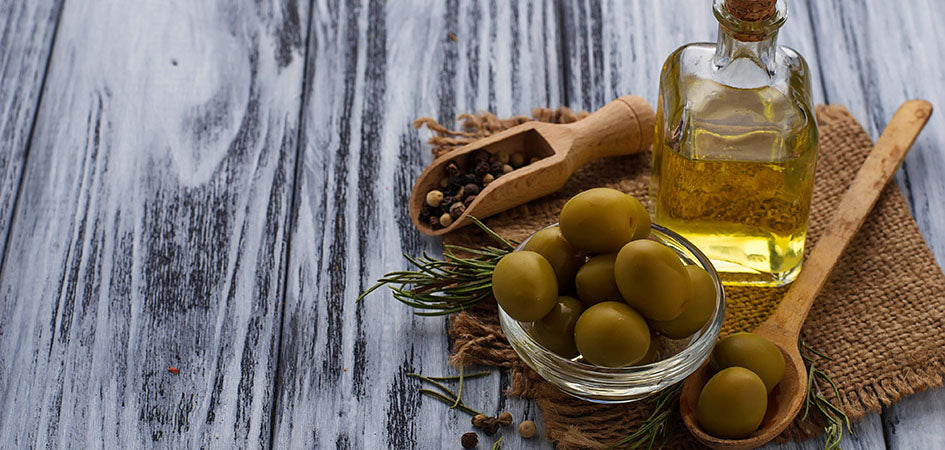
(209, 185)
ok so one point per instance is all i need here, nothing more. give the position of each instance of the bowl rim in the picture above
(664, 372)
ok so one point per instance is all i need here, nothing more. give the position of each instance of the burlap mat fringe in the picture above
(879, 317)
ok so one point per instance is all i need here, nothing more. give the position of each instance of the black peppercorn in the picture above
(435, 222)
(425, 212)
(457, 209)
(480, 155)
(482, 168)
(490, 426)
(470, 440)
(496, 167)
(470, 189)
(469, 199)
(469, 178)
(452, 169)
(447, 201)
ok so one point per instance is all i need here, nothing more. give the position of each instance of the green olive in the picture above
(602, 220)
(524, 284)
(652, 279)
(698, 311)
(732, 404)
(555, 331)
(612, 334)
(752, 352)
(595, 280)
(564, 258)
(653, 353)
(640, 218)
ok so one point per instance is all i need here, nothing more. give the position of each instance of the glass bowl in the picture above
(625, 384)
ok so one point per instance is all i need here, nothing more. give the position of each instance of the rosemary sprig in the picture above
(440, 287)
(654, 431)
(447, 396)
(834, 419)
(497, 445)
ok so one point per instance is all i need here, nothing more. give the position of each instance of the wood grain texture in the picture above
(26, 40)
(151, 230)
(614, 48)
(872, 72)
(374, 67)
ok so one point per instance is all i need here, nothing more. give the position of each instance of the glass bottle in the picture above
(735, 147)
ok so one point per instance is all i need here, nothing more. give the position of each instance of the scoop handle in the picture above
(621, 127)
(854, 206)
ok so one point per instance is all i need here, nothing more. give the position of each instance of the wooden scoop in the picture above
(621, 127)
(784, 325)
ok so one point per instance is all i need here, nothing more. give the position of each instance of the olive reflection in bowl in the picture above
(678, 358)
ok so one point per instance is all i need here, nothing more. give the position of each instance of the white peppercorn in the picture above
(446, 220)
(434, 198)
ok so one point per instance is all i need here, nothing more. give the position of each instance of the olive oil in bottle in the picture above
(735, 148)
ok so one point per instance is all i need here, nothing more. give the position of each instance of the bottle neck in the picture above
(758, 49)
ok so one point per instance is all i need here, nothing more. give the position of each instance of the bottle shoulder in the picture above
(697, 60)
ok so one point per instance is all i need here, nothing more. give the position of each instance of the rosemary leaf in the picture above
(447, 400)
(459, 395)
(833, 418)
(658, 425)
(497, 445)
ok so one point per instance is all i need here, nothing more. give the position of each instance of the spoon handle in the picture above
(855, 205)
(621, 127)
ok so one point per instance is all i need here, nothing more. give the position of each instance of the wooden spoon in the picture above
(621, 127)
(784, 326)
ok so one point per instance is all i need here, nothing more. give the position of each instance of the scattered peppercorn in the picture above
(434, 198)
(487, 178)
(505, 418)
(444, 182)
(478, 420)
(447, 201)
(502, 157)
(506, 168)
(469, 200)
(470, 439)
(496, 168)
(480, 155)
(527, 429)
(490, 426)
(457, 209)
(452, 169)
(434, 222)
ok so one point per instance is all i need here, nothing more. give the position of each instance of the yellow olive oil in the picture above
(733, 172)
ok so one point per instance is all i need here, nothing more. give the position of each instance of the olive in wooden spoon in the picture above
(621, 127)
(783, 327)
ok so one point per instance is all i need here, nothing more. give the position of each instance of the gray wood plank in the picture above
(615, 48)
(26, 40)
(878, 55)
(151, 228)
(375, 66)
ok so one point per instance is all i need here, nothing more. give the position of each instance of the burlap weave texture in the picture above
(879, 316)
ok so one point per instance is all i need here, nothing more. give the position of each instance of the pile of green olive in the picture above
(594, 287)
(733, 402)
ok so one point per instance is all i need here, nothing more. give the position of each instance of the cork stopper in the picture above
(751, 10)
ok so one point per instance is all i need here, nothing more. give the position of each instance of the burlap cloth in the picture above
(879, 317)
